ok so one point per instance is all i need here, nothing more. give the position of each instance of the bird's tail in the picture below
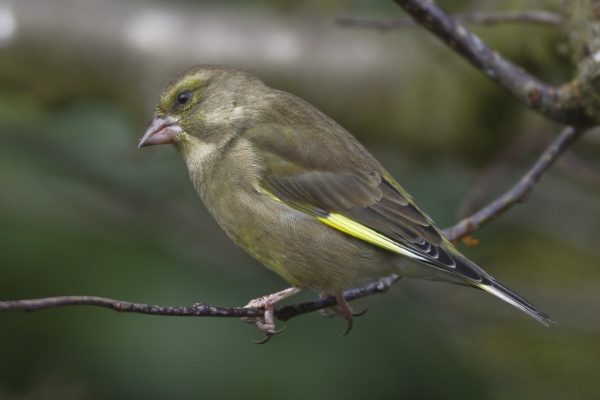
(504, 293)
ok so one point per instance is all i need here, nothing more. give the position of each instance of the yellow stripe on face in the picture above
(359, 231)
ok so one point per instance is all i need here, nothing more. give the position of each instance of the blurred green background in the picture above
(82, 211)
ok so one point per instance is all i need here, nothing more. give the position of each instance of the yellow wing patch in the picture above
(359, 231)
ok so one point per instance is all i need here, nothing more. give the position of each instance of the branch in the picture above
(561, 104)
(477, 17)
(519, 192)
(284, 313)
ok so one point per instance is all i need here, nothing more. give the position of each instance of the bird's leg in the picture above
(345, 311)
(330, 312)
(383, 285)
(342, 309)
(266, 324)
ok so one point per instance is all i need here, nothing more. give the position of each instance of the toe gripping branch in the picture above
(337, 304)
(266, 323)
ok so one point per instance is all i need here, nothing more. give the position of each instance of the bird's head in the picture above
(205, 104)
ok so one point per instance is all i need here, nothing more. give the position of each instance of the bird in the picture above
(300, 194)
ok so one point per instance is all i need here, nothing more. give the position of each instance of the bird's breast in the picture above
(304, 251)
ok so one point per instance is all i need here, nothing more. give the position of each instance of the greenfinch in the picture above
(300, 194)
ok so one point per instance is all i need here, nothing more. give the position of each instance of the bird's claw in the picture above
(263, 340)
(268, 332)
(331, 312)
(360, 313)
(345, 311)
(342, 309)
(266, 323)
(327, 313)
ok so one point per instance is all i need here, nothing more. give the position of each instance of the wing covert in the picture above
(347, 191)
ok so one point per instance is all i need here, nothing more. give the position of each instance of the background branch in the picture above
(560, 104)
(476, 17)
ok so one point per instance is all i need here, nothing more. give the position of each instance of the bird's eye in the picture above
(184, 97)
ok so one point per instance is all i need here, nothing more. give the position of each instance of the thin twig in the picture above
(284, 313)
(518, 193)
(475, 18)
(557, 103)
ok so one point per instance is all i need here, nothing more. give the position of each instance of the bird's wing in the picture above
(329, 175)
(323, 171)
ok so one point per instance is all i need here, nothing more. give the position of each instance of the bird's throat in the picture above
(199, 158)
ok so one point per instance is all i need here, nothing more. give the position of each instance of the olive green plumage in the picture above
(300, 193)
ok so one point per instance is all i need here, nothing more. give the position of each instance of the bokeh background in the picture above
(82, 211)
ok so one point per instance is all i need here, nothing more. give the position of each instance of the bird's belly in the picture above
(304, 251)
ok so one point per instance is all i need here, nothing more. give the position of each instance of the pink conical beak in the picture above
(162, 130)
